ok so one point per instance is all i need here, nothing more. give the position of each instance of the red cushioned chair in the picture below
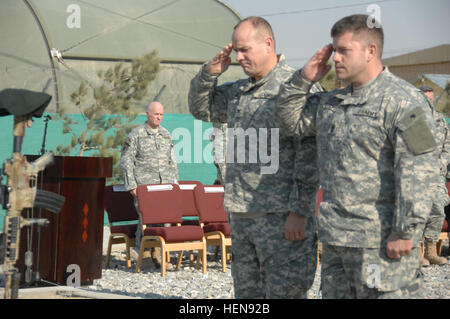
(188, 202)
(213, 218)
(190, 213)
(119, 205)
(162, 204)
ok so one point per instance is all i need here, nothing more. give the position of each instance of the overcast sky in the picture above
(302, 26)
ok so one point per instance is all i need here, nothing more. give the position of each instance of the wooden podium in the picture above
(75, 235)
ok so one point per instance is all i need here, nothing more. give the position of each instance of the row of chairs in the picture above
(169, 204)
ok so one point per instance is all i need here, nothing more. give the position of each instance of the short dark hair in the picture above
(426, 88)
(357, 24)
(260, 24)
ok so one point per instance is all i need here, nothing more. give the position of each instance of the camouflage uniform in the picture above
(375, 156)
(265, 264)
(219, 140)
(433, 226)
(147, 158)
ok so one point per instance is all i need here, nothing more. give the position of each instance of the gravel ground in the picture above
(190, 283)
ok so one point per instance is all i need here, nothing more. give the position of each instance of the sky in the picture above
(302, 27)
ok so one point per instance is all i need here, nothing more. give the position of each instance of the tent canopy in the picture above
(52, 45)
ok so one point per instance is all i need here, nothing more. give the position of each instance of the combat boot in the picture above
(431, 254)
(423, 261)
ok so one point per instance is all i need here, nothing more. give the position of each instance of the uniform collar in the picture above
(150, 131)
(364, 92)
(251, 83)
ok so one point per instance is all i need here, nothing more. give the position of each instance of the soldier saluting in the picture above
(375, 141)
(269, 241)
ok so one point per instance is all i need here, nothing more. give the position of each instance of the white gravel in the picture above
(189, 283)
(192, 284)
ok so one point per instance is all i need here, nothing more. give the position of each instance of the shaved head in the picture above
(254, 45)
(260, 25)
(155, 105)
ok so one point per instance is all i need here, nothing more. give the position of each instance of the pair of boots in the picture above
(430, 255)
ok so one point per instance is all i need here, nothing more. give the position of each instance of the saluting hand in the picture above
(221, 61)
(316, 68)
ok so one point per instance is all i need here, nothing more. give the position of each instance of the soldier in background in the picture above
(148, 158)
(375, 141)
(271, 252)
(435, 221)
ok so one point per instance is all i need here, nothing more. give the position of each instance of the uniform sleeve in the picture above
(127, 163)
(207, 101)
(415, 166)
(296, 108)
(306, 177)
(444, 158)
(294, 116)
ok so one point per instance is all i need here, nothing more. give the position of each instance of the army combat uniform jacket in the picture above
(248, 105)
(443, 158)
(375, 156)
(148, 158)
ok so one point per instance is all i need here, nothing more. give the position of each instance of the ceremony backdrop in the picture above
(199, 168)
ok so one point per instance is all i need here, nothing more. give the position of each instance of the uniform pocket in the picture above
(416, 132)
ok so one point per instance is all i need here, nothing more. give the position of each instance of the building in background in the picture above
(413, 65)
(425, 67)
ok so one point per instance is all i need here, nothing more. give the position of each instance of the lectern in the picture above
(74, 237)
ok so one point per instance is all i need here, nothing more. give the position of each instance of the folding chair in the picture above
(213, 218)
(161, 204)
(190, 213)
(119, 205)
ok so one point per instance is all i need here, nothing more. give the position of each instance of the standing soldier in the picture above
(271, 255)
(434, 224)
(375, 141)
(148, 158)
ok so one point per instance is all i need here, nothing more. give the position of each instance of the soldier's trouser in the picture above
(265, 264)
(433, 226)
(367, 273)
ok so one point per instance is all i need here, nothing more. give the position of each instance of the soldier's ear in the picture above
(270, 44)
(372, 51)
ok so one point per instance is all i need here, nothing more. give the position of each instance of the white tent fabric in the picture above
(51, 45)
